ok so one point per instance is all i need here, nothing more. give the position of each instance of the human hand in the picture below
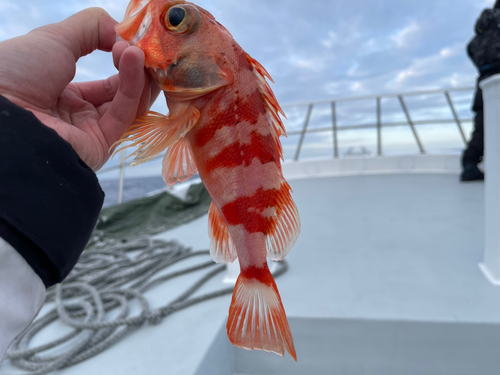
(36, 74)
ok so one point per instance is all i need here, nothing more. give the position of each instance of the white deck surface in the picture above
(386, 247)
(403, 247)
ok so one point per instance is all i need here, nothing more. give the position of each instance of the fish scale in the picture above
(224, 122)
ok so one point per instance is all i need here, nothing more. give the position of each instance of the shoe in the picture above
(471, 173)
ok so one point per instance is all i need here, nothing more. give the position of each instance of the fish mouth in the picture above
(163, 73)
(158, 72)
(175, 91)
(163, 70)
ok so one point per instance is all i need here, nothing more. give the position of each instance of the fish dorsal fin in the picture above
(154, 132)
(273, 109)
(178, 164)
(287, 227)
(222, 249)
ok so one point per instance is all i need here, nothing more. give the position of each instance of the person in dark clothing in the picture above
(53, 136)
(484, 51)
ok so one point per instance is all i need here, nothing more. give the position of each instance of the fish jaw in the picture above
(182, 80)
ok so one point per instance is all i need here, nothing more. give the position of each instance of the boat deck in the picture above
(401, 247)
(384, 279)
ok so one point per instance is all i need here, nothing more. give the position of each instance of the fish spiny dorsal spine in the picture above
(270, 103)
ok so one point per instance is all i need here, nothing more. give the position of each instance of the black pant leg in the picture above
(473, 154)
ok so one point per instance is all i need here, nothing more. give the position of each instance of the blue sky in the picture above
(314, 49)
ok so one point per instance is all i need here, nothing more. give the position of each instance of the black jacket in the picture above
(49, 198)
(484, 48)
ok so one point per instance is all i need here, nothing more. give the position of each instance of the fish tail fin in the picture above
(257, 319)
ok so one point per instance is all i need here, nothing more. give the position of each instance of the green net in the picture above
(150, 215)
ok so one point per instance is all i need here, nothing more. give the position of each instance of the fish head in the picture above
(183, 45)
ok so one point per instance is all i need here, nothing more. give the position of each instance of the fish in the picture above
(224, 122)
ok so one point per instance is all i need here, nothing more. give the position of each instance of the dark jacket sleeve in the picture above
(49, 198)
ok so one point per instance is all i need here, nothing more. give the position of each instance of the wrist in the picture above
(52, 199)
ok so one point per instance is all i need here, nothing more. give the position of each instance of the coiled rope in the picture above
(109, 277)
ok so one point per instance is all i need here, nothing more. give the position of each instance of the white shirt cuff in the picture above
(22, 294)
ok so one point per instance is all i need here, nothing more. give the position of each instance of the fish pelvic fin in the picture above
(257, 319)
(178, 163)
(222, 249)
(154, 132)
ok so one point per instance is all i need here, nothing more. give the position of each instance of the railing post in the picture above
(304, 129)
(334, 124)
(379, 126)
(491, 263)
(455, 116)
(122, 177)
(412, 125)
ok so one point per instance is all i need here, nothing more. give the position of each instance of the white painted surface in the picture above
(369, 165)
(491, 95)
(373, 247)
(21, 295)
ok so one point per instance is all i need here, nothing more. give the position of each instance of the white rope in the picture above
(109, 277)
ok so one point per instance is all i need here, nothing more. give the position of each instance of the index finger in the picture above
(123, 109)
(86, 31)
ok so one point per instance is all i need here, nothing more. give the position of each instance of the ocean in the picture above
(133, 188)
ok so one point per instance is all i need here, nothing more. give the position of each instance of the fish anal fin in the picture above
(222, 249)
(154, 132)
(287, 227)
(178, 164)
(257, 319)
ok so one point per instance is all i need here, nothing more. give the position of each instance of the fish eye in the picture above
(176, 16)
(182, 19)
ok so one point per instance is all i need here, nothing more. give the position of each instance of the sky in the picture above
(316, 49)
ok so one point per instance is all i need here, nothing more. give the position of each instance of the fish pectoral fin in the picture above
(222, 249)
(154, 132)
(287, 229)
(178, 164)
(257, 318)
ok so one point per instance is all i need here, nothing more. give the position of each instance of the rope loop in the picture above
(102, 300)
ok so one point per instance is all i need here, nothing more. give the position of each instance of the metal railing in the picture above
(335, 128)
(379, 124)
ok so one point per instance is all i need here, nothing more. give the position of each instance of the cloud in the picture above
(307, 63)
(423, 66)
(331, 41)
(315, 51)
(344, 88)
(319, 50)
(402, 38)
(353, 69)
(374, 45)
(8, 5)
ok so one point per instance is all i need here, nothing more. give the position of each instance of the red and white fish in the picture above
(224, 122)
